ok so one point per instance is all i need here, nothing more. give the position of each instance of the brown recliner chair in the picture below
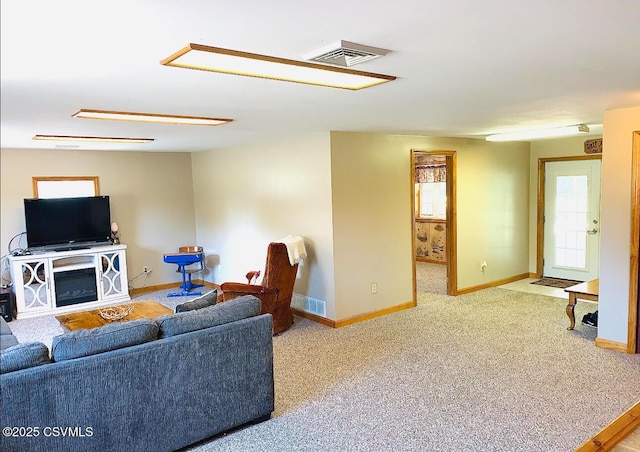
(276, 289)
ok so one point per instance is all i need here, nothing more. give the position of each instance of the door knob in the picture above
(592, 231)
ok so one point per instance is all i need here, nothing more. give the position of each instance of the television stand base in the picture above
(41, 286)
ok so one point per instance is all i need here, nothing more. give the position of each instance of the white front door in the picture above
(572, 219)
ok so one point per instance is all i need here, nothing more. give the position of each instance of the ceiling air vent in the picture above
(345, 53)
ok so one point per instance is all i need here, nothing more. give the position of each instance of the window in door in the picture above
(571, 219)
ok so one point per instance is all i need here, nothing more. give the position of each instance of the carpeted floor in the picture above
(494, 370)
(431, 278)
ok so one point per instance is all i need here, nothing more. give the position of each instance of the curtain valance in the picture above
(426, 174)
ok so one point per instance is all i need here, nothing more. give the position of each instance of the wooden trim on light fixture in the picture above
(92, 139)
(171, 61)
(148, 117)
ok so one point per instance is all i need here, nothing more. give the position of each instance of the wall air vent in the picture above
(345, 53)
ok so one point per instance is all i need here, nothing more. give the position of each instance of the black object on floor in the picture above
(590, 320)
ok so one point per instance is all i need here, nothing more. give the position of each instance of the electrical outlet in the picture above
(374, 287)
(146, 269)
(483, 264)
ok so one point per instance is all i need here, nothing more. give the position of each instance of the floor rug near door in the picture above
(556, 282)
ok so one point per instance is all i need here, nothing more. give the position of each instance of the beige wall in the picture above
(557, 147)
(371, 222)
(347, 194)
(248, 196)
(493, 214)
(371, 189)
(150, 194)
(619, 126)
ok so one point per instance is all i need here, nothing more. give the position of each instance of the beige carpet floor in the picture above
(431, 278)
(494, 370)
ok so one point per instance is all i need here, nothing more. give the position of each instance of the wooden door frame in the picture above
(633, 335)
(451, 245)
(541, 199)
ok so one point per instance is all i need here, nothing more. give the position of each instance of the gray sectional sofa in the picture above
(142, 385)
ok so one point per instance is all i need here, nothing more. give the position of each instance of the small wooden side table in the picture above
(586, 291)
(92, 319)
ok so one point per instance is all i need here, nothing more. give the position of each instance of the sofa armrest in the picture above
(7, 339)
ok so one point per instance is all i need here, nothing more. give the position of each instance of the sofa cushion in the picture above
(208, 299)
(22, 356)
(4, 327)
(103, 339)
(229, 311)
(7, 340)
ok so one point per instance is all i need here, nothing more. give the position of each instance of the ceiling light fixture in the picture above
(150, 117)
(540, 133)
(216, 59)
(92, 139)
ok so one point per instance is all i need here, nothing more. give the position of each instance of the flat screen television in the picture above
(65, 223)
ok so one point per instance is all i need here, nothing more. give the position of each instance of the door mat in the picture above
(556, 282)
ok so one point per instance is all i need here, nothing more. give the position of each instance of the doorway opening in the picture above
(433, 204)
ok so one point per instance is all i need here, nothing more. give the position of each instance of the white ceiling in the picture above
(465, 68)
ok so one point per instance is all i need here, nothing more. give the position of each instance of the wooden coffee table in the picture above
(92, 319)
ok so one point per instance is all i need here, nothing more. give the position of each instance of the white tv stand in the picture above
(53, 282)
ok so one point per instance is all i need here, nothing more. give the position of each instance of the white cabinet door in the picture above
(113, 275)
(32, 285)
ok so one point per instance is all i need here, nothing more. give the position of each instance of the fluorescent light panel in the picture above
(541, 133)
(150, 117)
(92, 139)
(226, 61)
